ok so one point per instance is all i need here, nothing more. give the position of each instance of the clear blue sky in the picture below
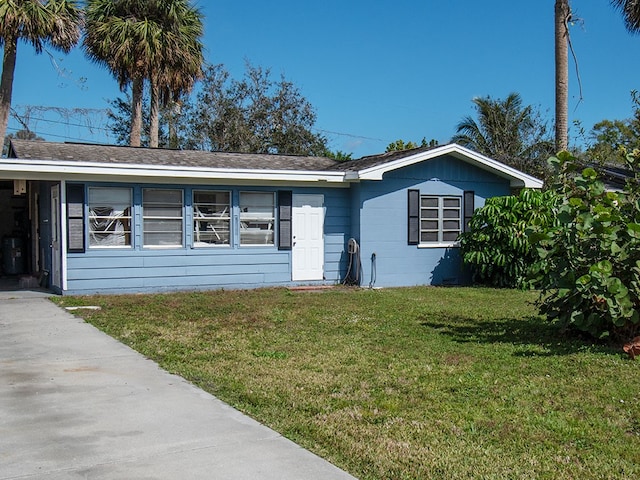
(379, 71)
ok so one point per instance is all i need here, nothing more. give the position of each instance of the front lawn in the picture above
(409, 383)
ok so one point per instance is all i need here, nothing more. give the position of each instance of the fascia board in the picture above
(48, 169)
(376, 172)
(516, 177)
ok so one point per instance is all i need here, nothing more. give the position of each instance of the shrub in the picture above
(496, 246)
(589, 262)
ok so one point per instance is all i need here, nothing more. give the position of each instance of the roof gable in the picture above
(374, 167)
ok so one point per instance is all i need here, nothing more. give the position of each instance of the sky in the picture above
(375, 72)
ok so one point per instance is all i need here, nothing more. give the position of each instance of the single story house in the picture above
(111, 219)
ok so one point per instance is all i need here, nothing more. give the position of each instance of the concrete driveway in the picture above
(76, 404)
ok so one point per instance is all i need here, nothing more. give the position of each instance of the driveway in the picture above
(77, 404)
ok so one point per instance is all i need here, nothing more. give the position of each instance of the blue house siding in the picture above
(139, 269)
(115, 271)
(387, 259)
(367, 199)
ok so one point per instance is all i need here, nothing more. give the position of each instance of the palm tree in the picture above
(631, 12)
(55, 23)
(182, 58)
(154, 40)
(562, 17)
(111, 39)
(506, 131)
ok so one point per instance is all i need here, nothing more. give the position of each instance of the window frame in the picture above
(199, 218)
(146, 218)
(270, 236)
(128, 234)
(440, 219)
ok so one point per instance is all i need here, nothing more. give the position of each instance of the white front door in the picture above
(308, 237)
(56, 252)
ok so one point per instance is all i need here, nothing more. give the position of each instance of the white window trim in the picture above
(182, 219)
(271, 217)
(441, 244)
(130, 217)
(229, 218)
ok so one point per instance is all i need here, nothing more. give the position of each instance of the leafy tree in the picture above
(614, 137)
(496, 246)
(337, 155)
(589, 267)
(156, 40)
(400, 145)
(23, 134)
(171, 126)
(54, 22)
(255, 114)
(509, 132)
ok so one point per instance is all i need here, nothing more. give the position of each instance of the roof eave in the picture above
(51, 170)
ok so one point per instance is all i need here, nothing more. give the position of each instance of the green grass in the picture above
(408, 383)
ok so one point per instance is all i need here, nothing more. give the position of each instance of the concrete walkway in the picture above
(76, 404)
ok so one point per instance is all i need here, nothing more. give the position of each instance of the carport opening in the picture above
(17, 269)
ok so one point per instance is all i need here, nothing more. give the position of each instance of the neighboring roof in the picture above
(615, 178)
(44, 160)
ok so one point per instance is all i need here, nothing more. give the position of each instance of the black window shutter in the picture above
(75, 218)
(469, 207)
(414, 217)
(285, 198)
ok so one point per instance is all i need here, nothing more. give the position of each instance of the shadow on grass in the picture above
(535, 336)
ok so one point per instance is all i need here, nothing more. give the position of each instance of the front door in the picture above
(308, 237)
(56, 252)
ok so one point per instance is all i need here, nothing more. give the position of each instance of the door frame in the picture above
(58, 237)
(317, 202)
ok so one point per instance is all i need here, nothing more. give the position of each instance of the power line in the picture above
(60, 122)
(43, 134)
(348, 135)
(107, 130)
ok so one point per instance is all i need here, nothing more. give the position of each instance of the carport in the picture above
(25, 233)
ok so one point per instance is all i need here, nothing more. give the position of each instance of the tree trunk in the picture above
(136, 111)
(6, 83)
(562, 15)
(154, 120)
(173, 119)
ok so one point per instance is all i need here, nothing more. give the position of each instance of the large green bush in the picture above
(496, 246)
(589, 262)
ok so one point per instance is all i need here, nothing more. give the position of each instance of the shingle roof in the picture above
(29, 149)
(54, 159)
(375, 160)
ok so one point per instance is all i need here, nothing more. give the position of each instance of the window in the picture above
(440, 219)
(162, 217)
(109, 217)
(211, 218)
(257, 215)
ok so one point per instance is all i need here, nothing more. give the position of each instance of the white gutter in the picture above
(50, 170)
(34, 169)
